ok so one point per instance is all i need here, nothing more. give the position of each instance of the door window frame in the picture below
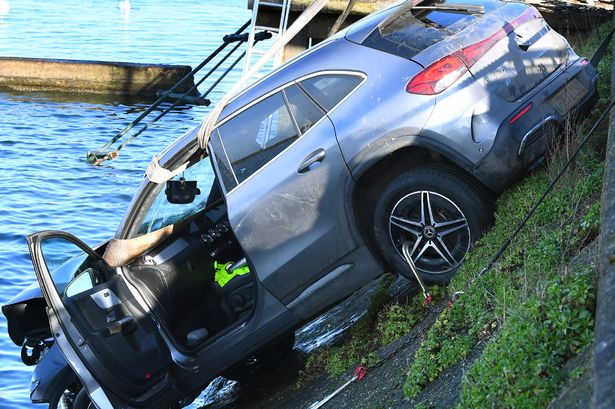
(296, 82)
(60, 321)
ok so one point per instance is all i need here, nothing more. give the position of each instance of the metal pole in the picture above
(93, 156)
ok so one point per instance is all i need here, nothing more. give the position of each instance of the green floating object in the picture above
(223, 276)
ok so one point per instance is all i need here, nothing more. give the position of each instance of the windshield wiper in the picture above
(455, 7)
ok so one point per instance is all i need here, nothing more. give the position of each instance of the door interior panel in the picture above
(122, 335)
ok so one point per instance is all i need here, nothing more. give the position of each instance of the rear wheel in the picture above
(438, 212)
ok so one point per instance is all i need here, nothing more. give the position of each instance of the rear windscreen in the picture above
(411, 30)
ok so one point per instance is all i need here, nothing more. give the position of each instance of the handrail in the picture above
(98, 156)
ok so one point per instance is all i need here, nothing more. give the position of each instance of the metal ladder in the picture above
(284, 6)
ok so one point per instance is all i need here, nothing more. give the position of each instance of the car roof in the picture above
(322, 57)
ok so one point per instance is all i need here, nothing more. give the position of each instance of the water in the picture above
(45, 182)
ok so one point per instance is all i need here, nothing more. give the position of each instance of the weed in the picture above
(383, 323)
(521, 368)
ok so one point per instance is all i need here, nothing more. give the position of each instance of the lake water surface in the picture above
(46, 183)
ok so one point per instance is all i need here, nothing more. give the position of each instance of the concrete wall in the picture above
(604, 341)
(35, 74)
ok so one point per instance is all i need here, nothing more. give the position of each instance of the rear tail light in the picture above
(443, 73)
(437, 77)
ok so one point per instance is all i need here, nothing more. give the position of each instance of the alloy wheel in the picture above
(435, 227)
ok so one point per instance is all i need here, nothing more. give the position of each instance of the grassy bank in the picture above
(384, 322)
(542, 314)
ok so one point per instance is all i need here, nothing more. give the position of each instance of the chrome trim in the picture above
(293, 82)
(329, 277)
(282, 67)
(534, 129)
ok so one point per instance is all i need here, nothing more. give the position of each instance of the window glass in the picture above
(224, 168)
(412, 30)
(161, 213)
(329, 89)
(305, 112)
(257, 135)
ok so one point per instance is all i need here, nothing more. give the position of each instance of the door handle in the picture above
(312, 160)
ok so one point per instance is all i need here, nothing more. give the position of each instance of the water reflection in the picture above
(125, 10)
(46, 183)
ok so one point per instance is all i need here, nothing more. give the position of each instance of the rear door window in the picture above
(260, 133)
(257, 135)
(304, 111)
(412, 30)
(329, 89)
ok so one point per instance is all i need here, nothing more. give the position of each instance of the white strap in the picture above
(157, 174)
(211, 119)
(319, 404)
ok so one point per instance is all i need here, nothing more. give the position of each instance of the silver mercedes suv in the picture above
(398, 131)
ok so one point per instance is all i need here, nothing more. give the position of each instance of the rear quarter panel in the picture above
(379, 116)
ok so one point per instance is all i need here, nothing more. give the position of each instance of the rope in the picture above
(405, 249)
(305, 17)
(595, 60)
(341, 18)
(529, 214)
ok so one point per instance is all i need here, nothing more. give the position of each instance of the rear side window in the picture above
(257, 135)
(329, 89)
(261, 132)
(412, 30)
(304, 111)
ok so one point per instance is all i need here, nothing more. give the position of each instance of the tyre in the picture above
(438, 212)
(69, 394)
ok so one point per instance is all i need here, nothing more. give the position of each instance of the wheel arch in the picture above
(373, 174)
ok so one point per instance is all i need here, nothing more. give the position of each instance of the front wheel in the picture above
(439, 214)
(264, 360)
(69, 394)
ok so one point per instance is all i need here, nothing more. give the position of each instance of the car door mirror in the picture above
(181, 191)
(82, 282)
(73, 269)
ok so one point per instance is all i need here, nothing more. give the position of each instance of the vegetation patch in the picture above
(521, 367)
(542, 319)
(384, 322)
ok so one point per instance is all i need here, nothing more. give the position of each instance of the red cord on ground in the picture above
(360, 372)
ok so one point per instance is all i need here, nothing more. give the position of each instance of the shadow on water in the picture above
(70, 97)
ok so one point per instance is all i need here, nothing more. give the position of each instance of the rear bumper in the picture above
(519, 145)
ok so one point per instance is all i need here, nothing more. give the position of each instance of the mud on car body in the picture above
(400, 129)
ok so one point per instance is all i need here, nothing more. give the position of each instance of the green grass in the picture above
(521, 367)
(541, 318)
(384, 322)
